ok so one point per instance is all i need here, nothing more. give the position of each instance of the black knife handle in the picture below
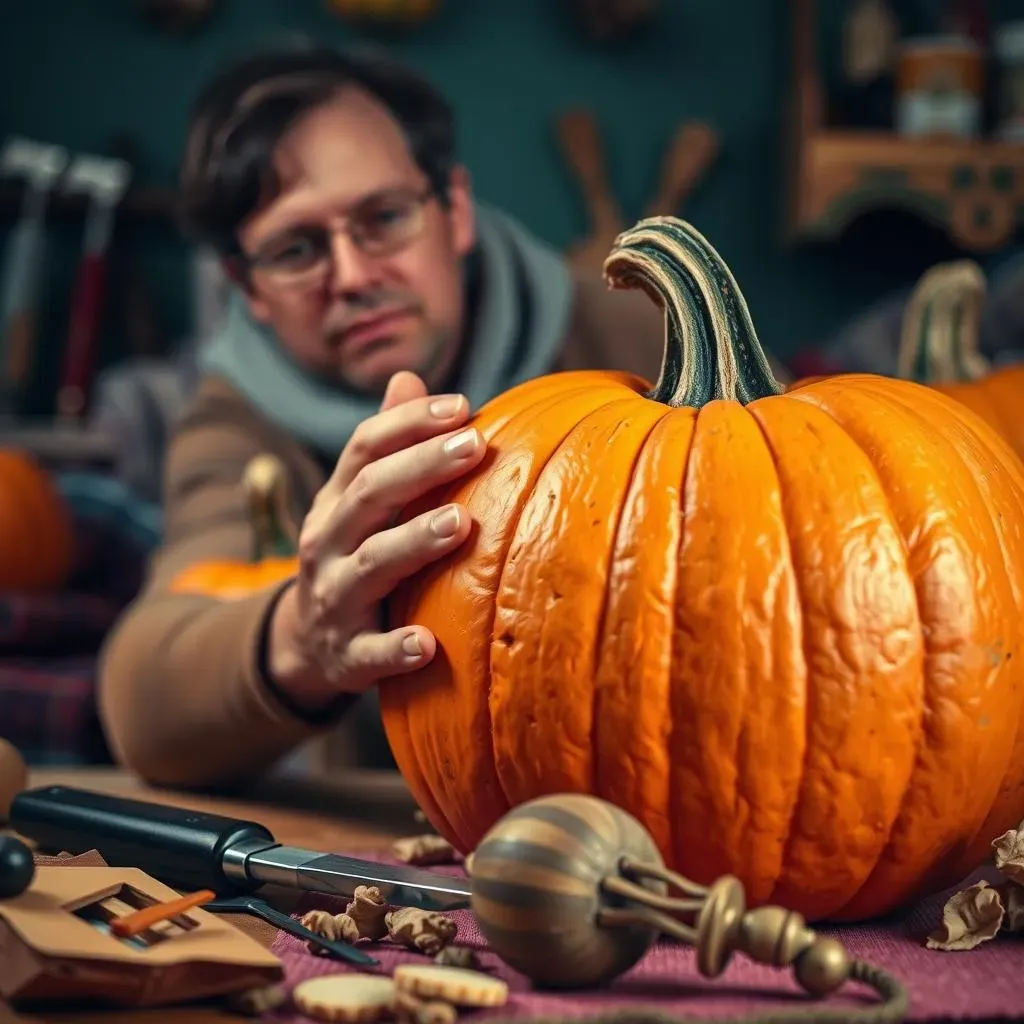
(179, 847)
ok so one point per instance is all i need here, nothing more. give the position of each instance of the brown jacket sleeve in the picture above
(181, 692)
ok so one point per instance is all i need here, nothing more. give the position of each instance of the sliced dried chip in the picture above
(346, 998)
(454, 985)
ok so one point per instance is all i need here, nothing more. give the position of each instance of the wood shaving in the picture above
(969, 918)
(1009, 853)
(458, 956)
(411, 1010)
(254, 1002)
(368, 910)
(335, 927)
(980, 913)
(424, 931)
(1012, 895)
(425, 849)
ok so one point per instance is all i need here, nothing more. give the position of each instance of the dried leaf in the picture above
(1012, 895)
(1009, 853)
(969, 918)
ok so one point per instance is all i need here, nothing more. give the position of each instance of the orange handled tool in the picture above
(132, 924)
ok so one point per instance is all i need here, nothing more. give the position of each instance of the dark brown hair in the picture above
(239, 118)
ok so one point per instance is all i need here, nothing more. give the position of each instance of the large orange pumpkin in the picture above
(939, 347)
(782, 630)
(275, 536)
(36, 534)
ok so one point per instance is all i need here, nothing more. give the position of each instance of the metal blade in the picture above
(339, 876)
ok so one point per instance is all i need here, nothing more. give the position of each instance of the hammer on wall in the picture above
(39, 165)
(104, 180)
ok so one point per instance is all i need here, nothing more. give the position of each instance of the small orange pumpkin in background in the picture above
(36, 532)
(275, 538)
(783, 630)
(939, 347)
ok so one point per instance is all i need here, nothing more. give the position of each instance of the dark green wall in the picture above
(80, 71)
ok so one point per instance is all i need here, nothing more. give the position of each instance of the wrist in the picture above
(287, 670)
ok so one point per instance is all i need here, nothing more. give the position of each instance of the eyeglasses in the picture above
(380, 226)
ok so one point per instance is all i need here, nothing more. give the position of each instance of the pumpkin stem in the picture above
(940, 329)
(711, 347)
(275, 533)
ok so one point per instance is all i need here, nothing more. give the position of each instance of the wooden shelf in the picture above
(57, 445)
(155, 203)
(973, 190)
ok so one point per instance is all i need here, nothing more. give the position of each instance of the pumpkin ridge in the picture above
(811, 398)
(599, 632)
(786, 838)
(993, 822)
(861, 638)
(531, 586)
(634, 773)
(737, 721)
(430, 705)
(888, 881)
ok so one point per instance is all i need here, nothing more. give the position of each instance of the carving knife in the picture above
(193, 850)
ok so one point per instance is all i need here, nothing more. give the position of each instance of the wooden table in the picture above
(362, 811)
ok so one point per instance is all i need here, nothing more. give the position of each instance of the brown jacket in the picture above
(182, 694)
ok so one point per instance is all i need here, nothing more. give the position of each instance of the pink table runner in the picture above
(985, 984)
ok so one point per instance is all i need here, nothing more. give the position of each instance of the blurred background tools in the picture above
(104, 180)
(39, 166)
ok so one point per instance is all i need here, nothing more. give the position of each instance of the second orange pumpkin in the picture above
(939, 347)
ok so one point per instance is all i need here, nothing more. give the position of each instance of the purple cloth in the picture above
(980, 985)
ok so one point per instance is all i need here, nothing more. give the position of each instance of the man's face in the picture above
(359, 312)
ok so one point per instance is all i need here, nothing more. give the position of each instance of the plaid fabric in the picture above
(48, 710)
(54, 624)
(49, 642)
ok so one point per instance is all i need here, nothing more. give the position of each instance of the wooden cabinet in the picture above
(971, 189)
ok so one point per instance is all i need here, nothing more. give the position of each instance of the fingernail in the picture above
(461, 444)
(446, 522)
(445, 407)
(411, 645)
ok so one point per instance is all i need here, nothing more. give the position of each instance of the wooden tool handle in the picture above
(691, 152)
(581, 144)
(21, 333)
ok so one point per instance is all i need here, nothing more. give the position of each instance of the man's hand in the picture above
(325, 634)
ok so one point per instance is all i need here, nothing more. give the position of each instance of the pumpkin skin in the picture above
(231, 581)
(783, 630)
(275, 536)
(939, 347)
(36, 533)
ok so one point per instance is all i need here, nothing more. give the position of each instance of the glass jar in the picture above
(1008, 44)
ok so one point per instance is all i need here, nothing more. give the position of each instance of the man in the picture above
(377, 306)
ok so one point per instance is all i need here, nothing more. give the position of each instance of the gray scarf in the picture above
(523, 296)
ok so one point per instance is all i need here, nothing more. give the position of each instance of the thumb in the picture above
(403, 387)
